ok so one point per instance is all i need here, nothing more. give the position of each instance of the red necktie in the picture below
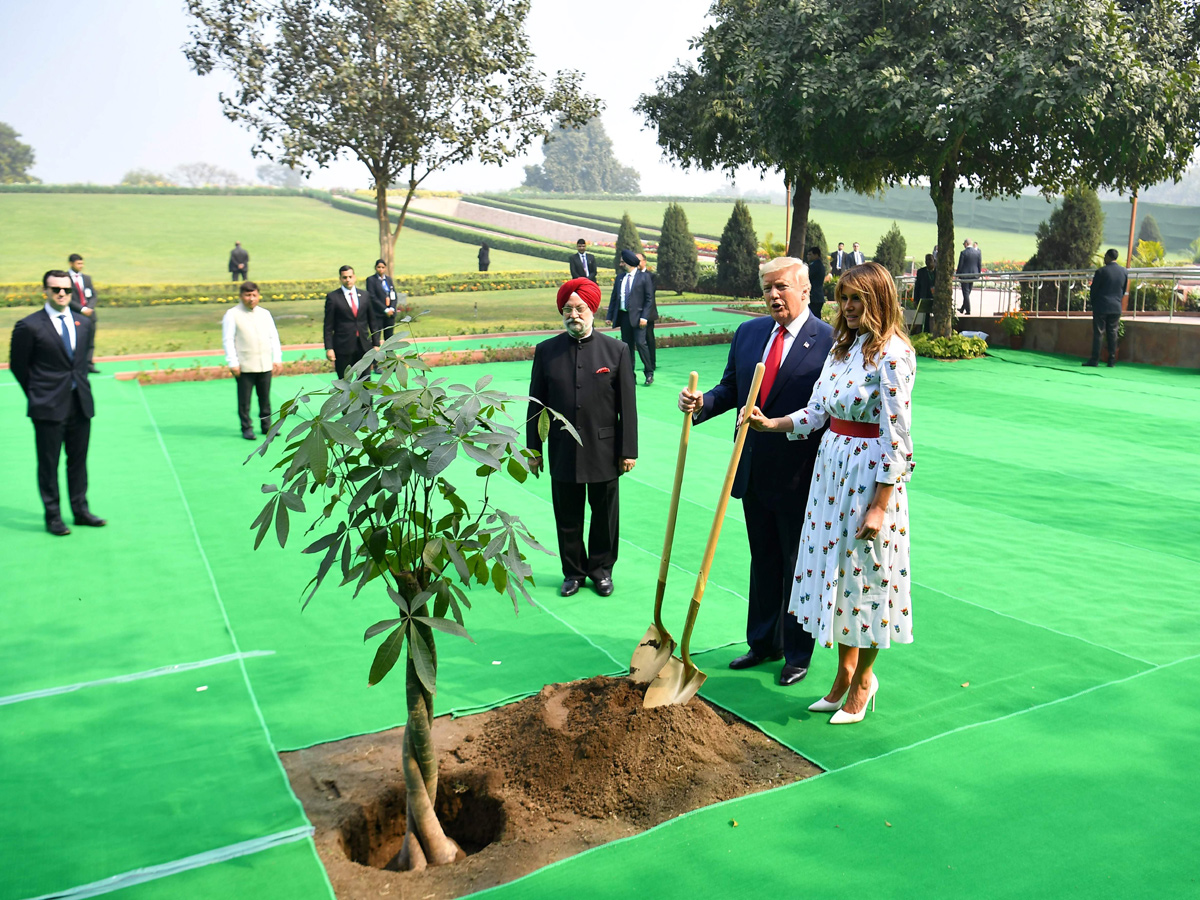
(774, 358)
(79, 290)
(353, 303)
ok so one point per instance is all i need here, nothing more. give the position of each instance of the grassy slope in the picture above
(710, 218)
(143, 239)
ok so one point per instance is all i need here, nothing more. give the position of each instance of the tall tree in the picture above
(581, 160)
(1150, 230)
(678, 267)
(627, 239)
(891, 250)
(16, 158)
(279, 176)
(816, 238)
(406, 87)
(1070, 238)
(737, 255)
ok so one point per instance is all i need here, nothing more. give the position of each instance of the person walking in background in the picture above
(856, 256)
(852, 581)
(923, 292)
(650, 314)
(773, 474)
(239, 262)
(1110, 284)
(969, 265)
(83, 301)
(588, 377)
(583, 264)
(485, 257)
(350, 325)
(382, 292)
(253, 354)
(48, 358)
(837, 261)
(632, 293)
(816, 281)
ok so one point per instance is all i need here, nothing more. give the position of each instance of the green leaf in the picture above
(341, 434)
(318, 463)
(264, 520)
(386, 656)
(281, 523)
(380, 628)
(431, 552)
(445, 625)
(270, 488)
(543, 425)
(422, 656)
(460, 565)
(516, 470)
(499, 577)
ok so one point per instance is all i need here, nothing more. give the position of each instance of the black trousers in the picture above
(966, 297)
(236, 275)
(635, 338)
(597, 559)
(51, 439)
(341, 362)
(774, 536)
(1105, 325)
(650, 345)
(260, 383)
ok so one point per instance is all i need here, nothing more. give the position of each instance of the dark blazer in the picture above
(836, 266)
(641, 297)
(378, 293)
(343, 330)
(970, 262)
(816, 278)
(771, 457)
(238, 256)
(41, 366)
(78, 302)
(650, 308)
(577, 267)
(923, 286)
(854, 258)
(591, 383)
(1109, 285)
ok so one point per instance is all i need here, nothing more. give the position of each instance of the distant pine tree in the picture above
(677, 265)
(1071, 238)
(737, 255)
(1149, 230)
(891, 250)
(815, 237)
(627, 239)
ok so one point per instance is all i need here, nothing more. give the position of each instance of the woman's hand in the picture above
(759, 422)
(871, 524)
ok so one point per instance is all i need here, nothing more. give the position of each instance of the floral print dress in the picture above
(850, 591)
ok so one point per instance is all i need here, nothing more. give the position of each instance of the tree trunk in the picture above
(425, 844)
(941, 188)
(385, 227)
(802, 189)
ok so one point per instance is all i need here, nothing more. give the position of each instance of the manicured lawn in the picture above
(143, 239)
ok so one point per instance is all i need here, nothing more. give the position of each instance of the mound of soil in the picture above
(519, 787)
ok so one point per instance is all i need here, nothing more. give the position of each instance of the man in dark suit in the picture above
(650, 314)
(83, 300)
(632, 298)
(970, 263)
(382, 292)
(838, 260)
(350, 326)
(923, 294)
(48, 358)
(583, 264)
(588, 378)
(239, 262)
(1110, 284)
(773, 476)
(856, 257)
(816, 279)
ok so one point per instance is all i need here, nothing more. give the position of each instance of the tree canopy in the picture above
(581, 160)
(678, 267)
(737, 255)
(407, 87)
(16, 158)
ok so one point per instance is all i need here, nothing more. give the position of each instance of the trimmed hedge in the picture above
(249, 191)
(954, 347)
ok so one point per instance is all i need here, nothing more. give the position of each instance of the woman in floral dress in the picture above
(852, 572)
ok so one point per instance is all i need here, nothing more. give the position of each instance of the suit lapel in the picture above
(805, 336)
(52, 334)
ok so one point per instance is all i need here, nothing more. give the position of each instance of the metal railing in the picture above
(1183, 281)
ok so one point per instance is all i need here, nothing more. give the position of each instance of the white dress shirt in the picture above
(790, 331)
(54, 313)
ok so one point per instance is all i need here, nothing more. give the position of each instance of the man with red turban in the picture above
(587, 377)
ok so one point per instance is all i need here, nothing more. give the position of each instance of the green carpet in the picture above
(1033, 741)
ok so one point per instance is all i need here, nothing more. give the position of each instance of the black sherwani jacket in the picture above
(343, 330)
(41, 366)
(591, 383)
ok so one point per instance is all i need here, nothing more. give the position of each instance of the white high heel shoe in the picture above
(841, 717)
(824, 705)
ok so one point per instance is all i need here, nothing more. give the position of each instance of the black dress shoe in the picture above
(1111, 363)
(57, 527)
(751, 659)
(604, 586)
(92, 369)
(649, 380)
(792, 674)
(88, 519)
(248, 434)
(1091, 363)
(570, 586)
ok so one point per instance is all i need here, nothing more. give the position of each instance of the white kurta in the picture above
(850, 591)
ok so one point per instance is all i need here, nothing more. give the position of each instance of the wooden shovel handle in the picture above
(665, 565)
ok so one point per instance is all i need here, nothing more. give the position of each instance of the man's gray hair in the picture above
(779, 263)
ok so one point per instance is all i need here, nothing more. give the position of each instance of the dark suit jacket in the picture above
(816, 278)
(970, 262)
(776, 464)
(380, 300)
(641, 297)
(577, 267)
(343, 330)
(78, 302)
(650, 309)
(852, 261)
(591, 383)
(834, 266)
(41, 366)
(1109, 285)
(923, 286)
(238, 255)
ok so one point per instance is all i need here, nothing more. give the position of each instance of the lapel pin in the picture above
(806, 345)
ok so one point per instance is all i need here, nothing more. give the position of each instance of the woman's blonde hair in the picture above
(882, 316)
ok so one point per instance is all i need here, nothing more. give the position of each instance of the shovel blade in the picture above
(675, 685)
(651, 654)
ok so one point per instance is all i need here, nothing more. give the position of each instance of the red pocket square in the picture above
(603, 370)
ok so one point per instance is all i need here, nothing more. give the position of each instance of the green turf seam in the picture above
(175, 867)
(228, 625)
(135, 676)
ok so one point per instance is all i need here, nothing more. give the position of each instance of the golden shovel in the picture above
(657, 645)
(679, 680)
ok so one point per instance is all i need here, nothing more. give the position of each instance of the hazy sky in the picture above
(100, 88)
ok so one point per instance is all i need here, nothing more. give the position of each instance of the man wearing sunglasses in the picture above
(49, 359)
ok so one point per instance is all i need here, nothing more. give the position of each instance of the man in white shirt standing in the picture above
(583, 264)
(253, 354)
(83, 299)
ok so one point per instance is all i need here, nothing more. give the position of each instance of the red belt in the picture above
(854, 429)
